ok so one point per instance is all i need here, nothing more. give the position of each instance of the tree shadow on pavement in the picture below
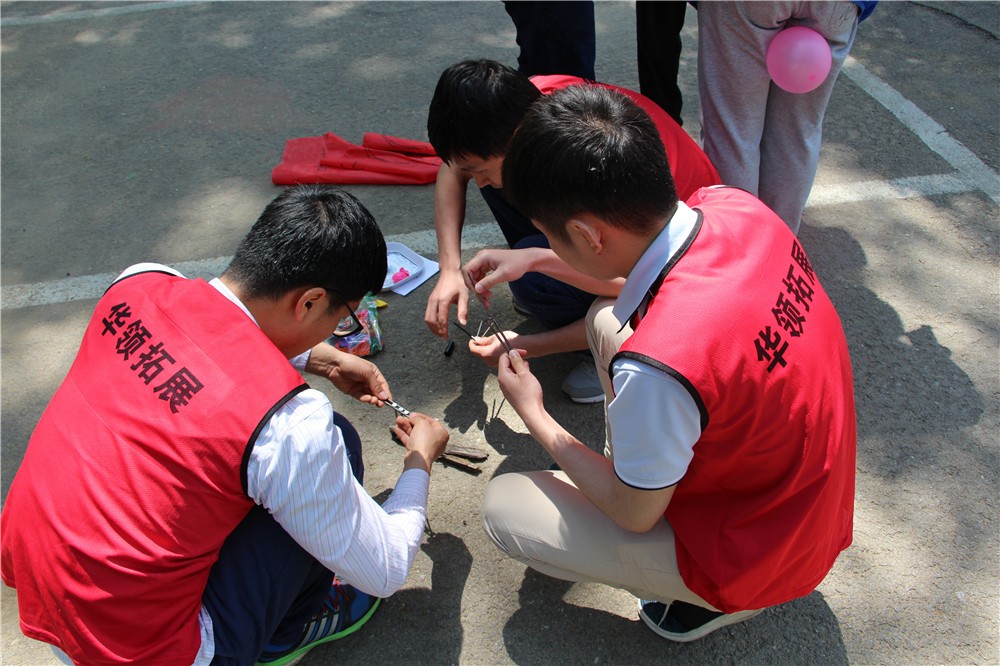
(468, 409)
(522, 453)
(907, 387)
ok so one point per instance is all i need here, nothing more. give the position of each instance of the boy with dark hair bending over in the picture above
(186, 498)
(476, 107)
(727, 480)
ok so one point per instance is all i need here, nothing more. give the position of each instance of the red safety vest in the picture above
(689, 165)
(136, 473)
(741, 320)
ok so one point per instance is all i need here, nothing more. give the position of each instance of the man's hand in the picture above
(489, 349)
(425, 439)
(450, 288)
(357, 377)
(520, 387)
(492, 267)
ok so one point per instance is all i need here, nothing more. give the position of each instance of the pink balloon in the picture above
(798, 59)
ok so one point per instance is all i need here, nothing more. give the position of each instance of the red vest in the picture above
(136, 473)
(689, 165)
(741, 320)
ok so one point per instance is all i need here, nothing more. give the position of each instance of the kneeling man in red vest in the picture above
(186, 498)
(727, 480)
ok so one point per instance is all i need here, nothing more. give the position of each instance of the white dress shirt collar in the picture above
(647, 269)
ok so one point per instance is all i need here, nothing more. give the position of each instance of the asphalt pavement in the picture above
(147, 132)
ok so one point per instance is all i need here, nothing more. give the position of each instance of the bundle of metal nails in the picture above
(491, 324)
(491, 328)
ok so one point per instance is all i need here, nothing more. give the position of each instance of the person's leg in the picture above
(793, 127)
(265, 587)
(542, 520)
(513, 224)
(605, 336)
(352, 442)
(554, 37)
(733, 84)
(658, 26)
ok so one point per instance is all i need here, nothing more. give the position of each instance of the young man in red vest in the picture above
(186, 498)
(727, 483)
(475, 108)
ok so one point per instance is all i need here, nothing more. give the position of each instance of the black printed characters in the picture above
(788, 311)
(151, 359)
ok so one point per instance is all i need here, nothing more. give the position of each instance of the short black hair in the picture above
(475, 108)
(311, 236)
(588, 149)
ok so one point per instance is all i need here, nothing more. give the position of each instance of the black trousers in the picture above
(555, 37)
(265, 587)
(658, 25)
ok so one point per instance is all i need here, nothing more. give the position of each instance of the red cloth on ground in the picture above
(379, 160)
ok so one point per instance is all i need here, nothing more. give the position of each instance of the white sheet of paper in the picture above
(429, 270)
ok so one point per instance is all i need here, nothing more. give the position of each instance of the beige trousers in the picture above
(542, 520)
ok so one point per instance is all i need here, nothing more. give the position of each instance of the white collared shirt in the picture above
(298, 470)
(653, 421)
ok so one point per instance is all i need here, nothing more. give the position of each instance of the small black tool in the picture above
(463, 329)
(403, 411)
(449, 348)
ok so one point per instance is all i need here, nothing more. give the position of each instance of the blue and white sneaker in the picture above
(345, 610)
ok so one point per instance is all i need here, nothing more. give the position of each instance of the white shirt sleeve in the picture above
(654, 425)
(299, 362)
(298, 470)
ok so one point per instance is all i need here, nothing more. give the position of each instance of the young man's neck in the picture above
(275, 317)
(646, 240)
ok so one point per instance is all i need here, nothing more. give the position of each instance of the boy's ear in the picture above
(309, 303)
(587, 229)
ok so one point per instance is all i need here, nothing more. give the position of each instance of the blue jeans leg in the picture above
(513, 224)
(265, 586)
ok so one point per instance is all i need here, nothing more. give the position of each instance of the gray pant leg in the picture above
(733, 83)
(759, 137)
(543, 521)
(793, 127)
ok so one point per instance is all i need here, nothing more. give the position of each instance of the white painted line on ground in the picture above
(973, 174)
(92, 13)
(879, 190)
(927, 130)
(474, 237)
(15, 296)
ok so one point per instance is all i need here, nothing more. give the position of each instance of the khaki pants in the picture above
(542, 520)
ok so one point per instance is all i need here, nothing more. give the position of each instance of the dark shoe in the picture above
(683, 622)
(345, 611)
